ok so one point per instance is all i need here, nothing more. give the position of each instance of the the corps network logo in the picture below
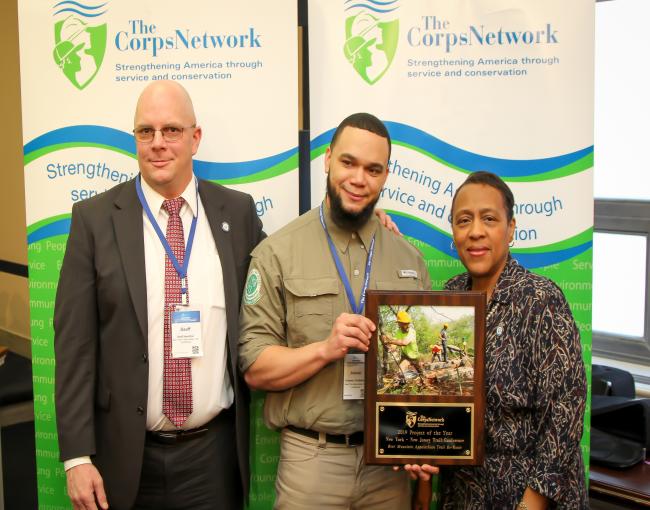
(371, 35)
(79, 46)
(411, 418)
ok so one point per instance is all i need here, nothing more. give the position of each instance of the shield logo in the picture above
(370, 44)
(79, 49)
(411, 418)
(253, 290)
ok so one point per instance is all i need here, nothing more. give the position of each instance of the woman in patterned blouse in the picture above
(535, 376)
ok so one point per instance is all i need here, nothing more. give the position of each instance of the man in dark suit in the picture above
(139, 422)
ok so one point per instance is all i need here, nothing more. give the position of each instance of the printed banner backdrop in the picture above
(83, 65)
(498, 85)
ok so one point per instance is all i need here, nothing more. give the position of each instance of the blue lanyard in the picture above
(181, 270)
(344, 277)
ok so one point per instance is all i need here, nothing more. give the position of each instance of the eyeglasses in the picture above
(169, 133)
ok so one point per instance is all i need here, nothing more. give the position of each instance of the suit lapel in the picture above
(127, 221)
(219, 219)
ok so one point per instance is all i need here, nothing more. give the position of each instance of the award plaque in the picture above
(425, 387)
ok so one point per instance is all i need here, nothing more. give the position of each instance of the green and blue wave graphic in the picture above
(410, 226)
(107, 138)
(86, 11)
(372, 5)
(514, 170)
(48, 227)
(532, 258)
(103, 137)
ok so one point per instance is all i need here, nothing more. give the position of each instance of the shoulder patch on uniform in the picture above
(253, 290)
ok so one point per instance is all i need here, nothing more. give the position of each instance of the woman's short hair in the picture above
(494, 181)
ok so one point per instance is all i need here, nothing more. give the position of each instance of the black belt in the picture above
(176, 436)
(354, 439)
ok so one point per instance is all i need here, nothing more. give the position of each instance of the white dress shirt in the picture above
(211, 388)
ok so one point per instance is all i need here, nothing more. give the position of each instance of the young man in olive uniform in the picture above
(302, 321)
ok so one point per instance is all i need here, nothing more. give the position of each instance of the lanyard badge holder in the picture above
(354, 363)
(185, 321)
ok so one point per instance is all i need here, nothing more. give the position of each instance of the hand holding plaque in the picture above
(425, 397)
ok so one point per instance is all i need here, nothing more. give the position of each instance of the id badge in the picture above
(353, 376)
(186, 333)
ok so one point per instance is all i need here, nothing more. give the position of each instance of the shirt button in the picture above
(354, 235)
(355, 272)
(144, 358)
(140, 410)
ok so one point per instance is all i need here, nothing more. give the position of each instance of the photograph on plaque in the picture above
(439, 356)
(425, 398)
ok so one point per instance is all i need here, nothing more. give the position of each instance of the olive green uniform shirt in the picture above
(293, 296)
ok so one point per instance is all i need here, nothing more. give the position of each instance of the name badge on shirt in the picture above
(408, 273)
(353, 376)
(186, 333)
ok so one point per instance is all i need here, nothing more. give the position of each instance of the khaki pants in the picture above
(314, 474)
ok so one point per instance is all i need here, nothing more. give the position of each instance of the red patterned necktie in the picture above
(177, 374)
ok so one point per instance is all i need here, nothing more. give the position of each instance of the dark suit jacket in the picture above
(100, 324)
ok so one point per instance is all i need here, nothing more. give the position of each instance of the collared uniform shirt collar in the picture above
(342, 238)
(155, 199)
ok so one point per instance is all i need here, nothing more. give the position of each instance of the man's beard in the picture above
(346, 220)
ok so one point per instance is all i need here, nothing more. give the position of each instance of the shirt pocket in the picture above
(310, 309)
